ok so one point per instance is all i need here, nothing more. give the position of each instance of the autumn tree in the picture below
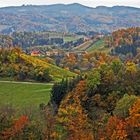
(123, 105)
(72, 116)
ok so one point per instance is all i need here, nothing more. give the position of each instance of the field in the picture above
(67, 37)
(83, 46)
(21, 95)
(92, 45)
(71, 38)
(99, 46)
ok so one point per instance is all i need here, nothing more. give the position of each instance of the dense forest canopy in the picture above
(125, 41)
(103, 104)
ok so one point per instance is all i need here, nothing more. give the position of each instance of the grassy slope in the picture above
(22, 94)
(83, 46)
(98, 46)
(71, 38)
(92, 45)
(55, 71)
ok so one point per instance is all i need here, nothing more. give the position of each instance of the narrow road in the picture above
(16, 82)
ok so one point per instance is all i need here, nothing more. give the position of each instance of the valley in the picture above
(69, 72)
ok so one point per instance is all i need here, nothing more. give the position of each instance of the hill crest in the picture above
(67, 18)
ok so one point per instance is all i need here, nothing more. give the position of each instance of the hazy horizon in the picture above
(90, 3)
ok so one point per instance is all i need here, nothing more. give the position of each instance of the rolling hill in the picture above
(16, 65)
(67, 18)
(56, 72)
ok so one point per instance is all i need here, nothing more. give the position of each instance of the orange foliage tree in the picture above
(72, 116)
(123, 129)
(133, 121)
(116, 129)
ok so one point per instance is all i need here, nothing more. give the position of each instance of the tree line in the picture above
(14, 67)
(124, 42)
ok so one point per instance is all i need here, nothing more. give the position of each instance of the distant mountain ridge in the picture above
(67, 18)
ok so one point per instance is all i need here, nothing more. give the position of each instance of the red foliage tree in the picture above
(16, 129)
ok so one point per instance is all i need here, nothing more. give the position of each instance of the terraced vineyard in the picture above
(93, 45)
(83, 46)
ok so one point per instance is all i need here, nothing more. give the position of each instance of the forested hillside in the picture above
(103, 104)
(125, 43)
(98, 100)
(19, 66)
(67, 18)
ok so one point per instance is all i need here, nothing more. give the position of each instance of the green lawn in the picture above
(83, 46)
(99, 44)
(70, 38)
(22, 95)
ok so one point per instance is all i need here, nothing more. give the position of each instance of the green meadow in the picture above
(20, 95)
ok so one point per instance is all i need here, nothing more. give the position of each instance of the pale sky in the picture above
(91, 3)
